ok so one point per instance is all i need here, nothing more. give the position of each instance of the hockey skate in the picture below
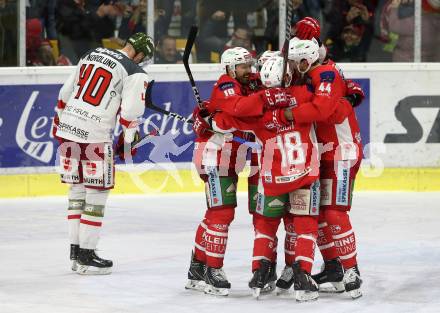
(196, 275)
(270, 286)
(91, 264)
(306, 289)
(331, 273)
(352, 281)
(260, 279)
(216, 282)
(285, 281)
(74, 249)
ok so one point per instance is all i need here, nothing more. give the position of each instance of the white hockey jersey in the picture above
(104, 82)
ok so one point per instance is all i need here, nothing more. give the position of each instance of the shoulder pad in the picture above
(225, 85)
(327, 76)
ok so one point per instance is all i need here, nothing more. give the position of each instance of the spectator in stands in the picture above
(166, 51)
(8, 33)
(134, 20)
(348, 20)
(33, 40)
(300, 9)
(44, 10)
(38, 51)
(347, 47)
(213, 20)
(242, 37)
(81, 27)
(165, 10)
(397, 29)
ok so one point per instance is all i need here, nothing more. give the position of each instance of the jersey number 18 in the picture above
(291, 148)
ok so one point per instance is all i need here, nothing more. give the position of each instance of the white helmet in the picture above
(271, 73)
(234, 56)
(266, 55)
(303, 50)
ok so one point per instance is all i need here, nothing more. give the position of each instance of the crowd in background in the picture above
(58, 32)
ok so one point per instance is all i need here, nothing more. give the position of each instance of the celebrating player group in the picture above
(300, 114)
(294, 116)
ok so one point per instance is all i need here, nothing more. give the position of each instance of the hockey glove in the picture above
(119, 148)
(201, 126)
(355, 95)
(56, 122)
(275, 119)
(275, 98)
(307, 28)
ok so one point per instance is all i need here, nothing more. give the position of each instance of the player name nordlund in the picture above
(101, 59)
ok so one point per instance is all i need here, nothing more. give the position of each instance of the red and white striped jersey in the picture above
(104, 83)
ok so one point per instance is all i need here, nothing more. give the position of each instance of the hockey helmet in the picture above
(142, 43)
(266, 55)
(271, 73)
(303, 50)
(234, 56)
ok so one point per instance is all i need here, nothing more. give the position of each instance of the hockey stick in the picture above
(188, 47)
(286, 41)
(150, 105)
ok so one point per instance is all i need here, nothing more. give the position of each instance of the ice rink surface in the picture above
(150, 238)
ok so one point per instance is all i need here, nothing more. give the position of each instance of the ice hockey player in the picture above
(236, 93)
(288, 175)
(105, 83)
(340, 161)
(306, 29)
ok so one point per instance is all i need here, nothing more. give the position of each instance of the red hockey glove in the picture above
(201, 126)
(275, 119)
(119, 148)
(355, 95)
(275, 98)
(307, 28)
(56, 122)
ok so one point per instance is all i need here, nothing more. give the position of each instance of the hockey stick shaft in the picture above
(188, 47)
(149, 104)
(286, 41)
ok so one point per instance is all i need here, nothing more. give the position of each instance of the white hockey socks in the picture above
(91, 218)
(77, 196)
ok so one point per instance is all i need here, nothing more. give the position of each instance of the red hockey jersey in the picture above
(288, 158)
(229, 96)
(339, 134)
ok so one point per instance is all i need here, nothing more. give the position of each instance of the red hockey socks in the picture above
(216, 235)
(307, 231)
(343, 236)
(325, 239)
(265, 239)
(199, 245)
(289, 239)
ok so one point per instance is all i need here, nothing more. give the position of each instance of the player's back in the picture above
(288, 157)
(103, 79)
(327, 80)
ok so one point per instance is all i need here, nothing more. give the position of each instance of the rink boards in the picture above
(400, 123)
